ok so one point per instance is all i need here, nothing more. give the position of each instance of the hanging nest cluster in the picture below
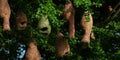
(5, 12)
(86, 23)
(32, 52)
(62, 46)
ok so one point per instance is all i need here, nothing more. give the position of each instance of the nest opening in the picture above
(44, 28)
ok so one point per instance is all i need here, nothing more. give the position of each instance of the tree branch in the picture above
(111, 16)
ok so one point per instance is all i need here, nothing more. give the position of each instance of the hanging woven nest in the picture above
(86, 23)
(69, 13)
(5, 14)
(44, 25)
(32, 52)
(21, 20)
(62, 47)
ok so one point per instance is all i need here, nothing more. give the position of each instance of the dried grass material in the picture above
(21, 20)
(32, 52)
(5, 14)
(62, 46)
(86, 26)
(69, 13)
